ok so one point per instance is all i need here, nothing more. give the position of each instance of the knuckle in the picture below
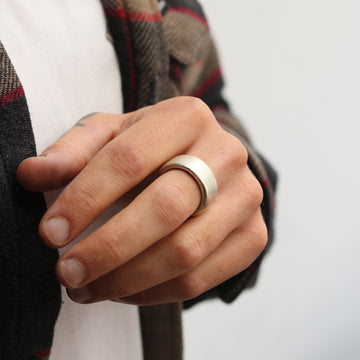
(110, 250)
(200, 110)
(263, 236)
(86, 198)
(197, 111)
(112, 122)
(196, 105)
(191, 113)
(185, 253)
(254, 192)
(126, 160)
(259, 236)
(238, 153)
(171, 204)
(191, 286)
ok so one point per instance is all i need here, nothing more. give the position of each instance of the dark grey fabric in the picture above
(29, 292)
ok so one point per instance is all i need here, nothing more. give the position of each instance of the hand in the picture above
(152, 251)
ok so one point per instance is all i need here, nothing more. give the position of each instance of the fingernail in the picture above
(73, 272)
(57, 230)
(81, 295)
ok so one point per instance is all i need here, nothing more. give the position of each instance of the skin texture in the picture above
(153, 251)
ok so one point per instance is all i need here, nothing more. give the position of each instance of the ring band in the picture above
(200, 172)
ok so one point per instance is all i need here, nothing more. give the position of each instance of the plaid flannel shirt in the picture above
(162, 54)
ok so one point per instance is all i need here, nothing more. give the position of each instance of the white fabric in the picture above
(69, 69)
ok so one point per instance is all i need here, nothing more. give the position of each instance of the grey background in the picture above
(292, 71)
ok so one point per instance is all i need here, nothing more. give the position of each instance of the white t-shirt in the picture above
(69, 69)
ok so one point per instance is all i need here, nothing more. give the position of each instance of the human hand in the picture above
(152, 251)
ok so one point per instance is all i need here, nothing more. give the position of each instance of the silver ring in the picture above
(200, 172)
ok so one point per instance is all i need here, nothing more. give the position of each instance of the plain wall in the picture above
(293, 74)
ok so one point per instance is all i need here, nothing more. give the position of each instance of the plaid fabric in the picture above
(10, 86)
(161, 54)
(136, 29)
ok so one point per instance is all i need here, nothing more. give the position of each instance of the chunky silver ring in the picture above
(200, 172)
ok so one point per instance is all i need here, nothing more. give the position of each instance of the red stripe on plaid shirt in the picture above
(139, 16)
(43, 354)
(177, 71)
(190, 12)
(11, 95)
(120, 13)
(134, 16)
(208, 83)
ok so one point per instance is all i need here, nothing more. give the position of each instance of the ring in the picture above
(200, 172)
